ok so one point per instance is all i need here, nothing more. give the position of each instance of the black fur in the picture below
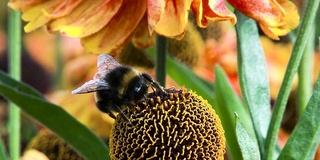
(111, 100)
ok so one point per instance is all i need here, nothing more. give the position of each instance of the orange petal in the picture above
(291, 18)
(155, 9)
(61, 8)
(118, 31)
(174, 19)
(211, 10)
(35, 17)
(86, 19)
(22, 5)
(141, 38)
(266, 12)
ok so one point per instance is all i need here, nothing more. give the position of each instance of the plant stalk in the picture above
(14, 41)
(160, 60)
(297, 52)
(305, 74)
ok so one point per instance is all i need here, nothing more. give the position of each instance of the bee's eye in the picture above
(138, 87)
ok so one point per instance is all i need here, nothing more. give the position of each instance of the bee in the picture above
(116, 85)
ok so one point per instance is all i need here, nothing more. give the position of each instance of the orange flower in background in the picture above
(106, 26)
(275, 17)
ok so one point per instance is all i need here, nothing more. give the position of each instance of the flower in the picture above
(33, 154)
(52, 146)
(106, 26)
(275, 17)
(177, 123)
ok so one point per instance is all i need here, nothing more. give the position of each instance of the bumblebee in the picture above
(116, 85)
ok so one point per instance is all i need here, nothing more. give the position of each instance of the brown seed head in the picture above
(177, 124)
(52, 146)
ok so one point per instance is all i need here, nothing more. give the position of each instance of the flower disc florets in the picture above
(176, 124)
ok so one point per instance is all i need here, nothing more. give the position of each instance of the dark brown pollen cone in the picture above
(177, 124)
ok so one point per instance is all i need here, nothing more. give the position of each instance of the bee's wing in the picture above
(92, 86)
(105, 64)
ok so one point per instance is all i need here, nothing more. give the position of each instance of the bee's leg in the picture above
(102, 107)
(145, 98)
(157, 86)
(110, 113)
(118, 109)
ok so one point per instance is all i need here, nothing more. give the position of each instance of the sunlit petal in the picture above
(174, 19)
(118, 31)
(88, 18)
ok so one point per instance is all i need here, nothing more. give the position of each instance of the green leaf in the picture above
(253, 76)
(249, 147)
(294, 61)
(186, 77)
(304, 139)
(227, 102)
(15, 84)
(83, 140)
(3, 154)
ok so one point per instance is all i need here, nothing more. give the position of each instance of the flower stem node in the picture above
(175, 124)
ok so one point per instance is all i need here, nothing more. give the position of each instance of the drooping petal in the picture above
(141, 38)
(291, 18)
(87, 19)
(22, 5)
(267, 12)
(211, 10)
(118, 31)
(155, 9)
(276, 18)
(174, 19)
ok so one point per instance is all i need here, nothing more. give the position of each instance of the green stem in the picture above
(292, 68)
(161, 53)
(305, 74)
(14, 36)
(59, 62)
